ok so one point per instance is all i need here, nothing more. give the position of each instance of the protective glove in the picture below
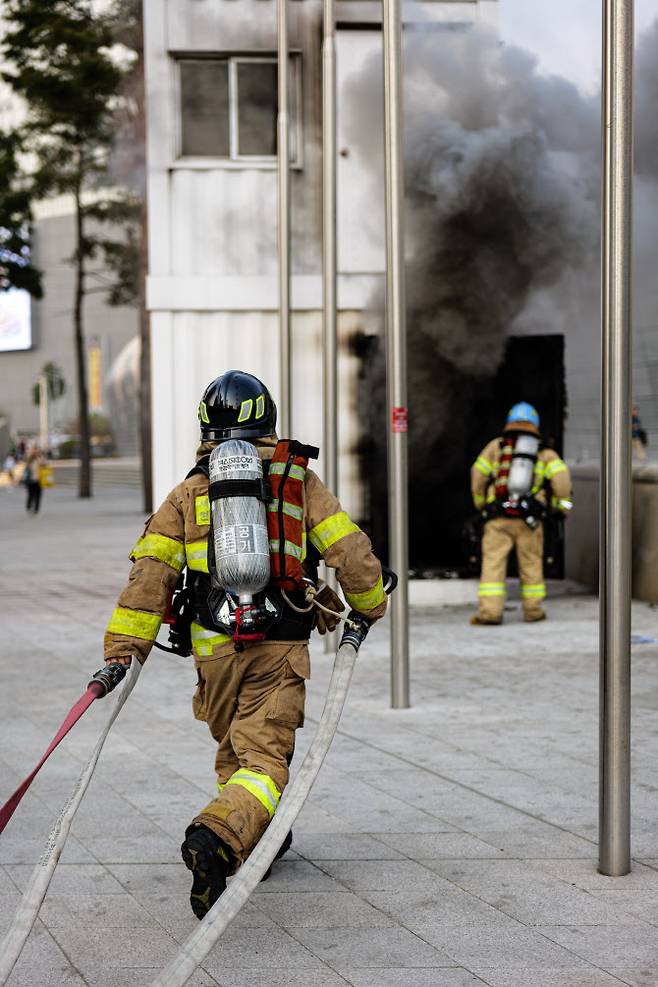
(325, 621)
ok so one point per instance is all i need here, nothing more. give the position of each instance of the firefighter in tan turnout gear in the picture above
(251, 654)
(514, 481)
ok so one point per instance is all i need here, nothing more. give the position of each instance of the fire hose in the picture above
(103, 682)
(199, 944)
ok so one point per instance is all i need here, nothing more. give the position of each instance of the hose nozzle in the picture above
(108, 678)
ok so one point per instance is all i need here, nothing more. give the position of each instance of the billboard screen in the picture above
(15, 320)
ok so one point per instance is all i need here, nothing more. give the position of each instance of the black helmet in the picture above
(236, 406)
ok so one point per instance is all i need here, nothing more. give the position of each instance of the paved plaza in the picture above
(447, 845)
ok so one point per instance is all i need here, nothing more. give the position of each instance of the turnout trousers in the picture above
(501, 535)
(253, 702)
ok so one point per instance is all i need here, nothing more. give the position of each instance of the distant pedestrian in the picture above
(33, 480)
(640, 441)
(9, 466)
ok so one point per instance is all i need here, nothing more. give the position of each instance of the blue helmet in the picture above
(523, 412)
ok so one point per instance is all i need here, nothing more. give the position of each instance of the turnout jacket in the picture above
(177, 535)
(551, 478)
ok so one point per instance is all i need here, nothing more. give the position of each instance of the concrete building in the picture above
(212, 188)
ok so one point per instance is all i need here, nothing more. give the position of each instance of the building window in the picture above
(228, 108)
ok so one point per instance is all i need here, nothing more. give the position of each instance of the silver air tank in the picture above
(242, 553)
(519, 483)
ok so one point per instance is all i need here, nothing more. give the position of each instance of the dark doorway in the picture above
(442, 452)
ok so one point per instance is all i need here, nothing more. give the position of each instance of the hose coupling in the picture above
(109, 677)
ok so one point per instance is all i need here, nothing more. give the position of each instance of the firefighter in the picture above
(514, 482)
(250, 693)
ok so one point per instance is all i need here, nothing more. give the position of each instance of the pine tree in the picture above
(59, 60)
(16, 267)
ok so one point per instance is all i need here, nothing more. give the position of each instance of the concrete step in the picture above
(125, 473)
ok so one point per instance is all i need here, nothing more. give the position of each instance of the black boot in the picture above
(283, 849)
(209, 860)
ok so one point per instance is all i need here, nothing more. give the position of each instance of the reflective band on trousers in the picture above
(369, 599)
(491, 589)
(533, 591)
(196, 553)
(296, 472)
(159, 547)
(134, 623)
(483, 465)
(292, 510)
(479, 500)
(203, 640)
(260, 786)
(332, 529)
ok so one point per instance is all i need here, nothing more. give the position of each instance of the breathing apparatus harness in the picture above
(513, 484)
(256, 512)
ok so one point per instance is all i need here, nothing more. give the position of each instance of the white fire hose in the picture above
(197, 946)
(27, 912)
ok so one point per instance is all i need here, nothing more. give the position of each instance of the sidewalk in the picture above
(447, 845)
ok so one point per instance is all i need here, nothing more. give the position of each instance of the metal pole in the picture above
(283, 154)
(43, 412)
(329, 267)
(396, 352)
(616, 475)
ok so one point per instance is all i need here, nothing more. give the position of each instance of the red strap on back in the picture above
(95, 691)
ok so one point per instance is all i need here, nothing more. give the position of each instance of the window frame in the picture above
(236, 160)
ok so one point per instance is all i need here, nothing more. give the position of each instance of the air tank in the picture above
(242, 553)
(524, 457)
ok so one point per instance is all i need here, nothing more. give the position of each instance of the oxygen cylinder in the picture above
(524, 457)
(242, 551)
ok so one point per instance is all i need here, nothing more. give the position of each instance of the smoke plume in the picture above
(502, 186)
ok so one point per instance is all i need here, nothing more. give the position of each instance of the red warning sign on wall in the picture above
(399, 419)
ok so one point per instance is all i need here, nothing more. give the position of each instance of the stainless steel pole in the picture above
(616, 476)
(329, 267)
(396, 352)
(283, 153)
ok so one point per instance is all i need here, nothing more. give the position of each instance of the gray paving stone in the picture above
(383, 875)
(297, 875)
(285, 978)
(15, 849)
(374, 948)
(130, 948)
(528, 895)
(423, 846)
(140, 977)
(609, 946)
(641, 904)
(326, 910)
(535, 977)
(584, 874)
(480, 947)
(113, 911)
(42, 962)
(72, 879)
(438, 977)
(438, 910)
(250, 949)
(537, 840)
(344, 846)
(637, 978)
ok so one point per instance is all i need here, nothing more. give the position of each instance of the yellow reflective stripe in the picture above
(196, 553)
(159, 547)
(303, 545)
(491, 589)
(531, 591)
(292, 510)
(289, 548)
(369, 599)
(555, 467)
(483, 465)
(202, 509)
(245, 410)
(259, 785)
(260, 406)
(491, 496)
(565, 505)
(479, 500)
(134, 623)
(332, 529)
(204, 640)
(296, 472)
